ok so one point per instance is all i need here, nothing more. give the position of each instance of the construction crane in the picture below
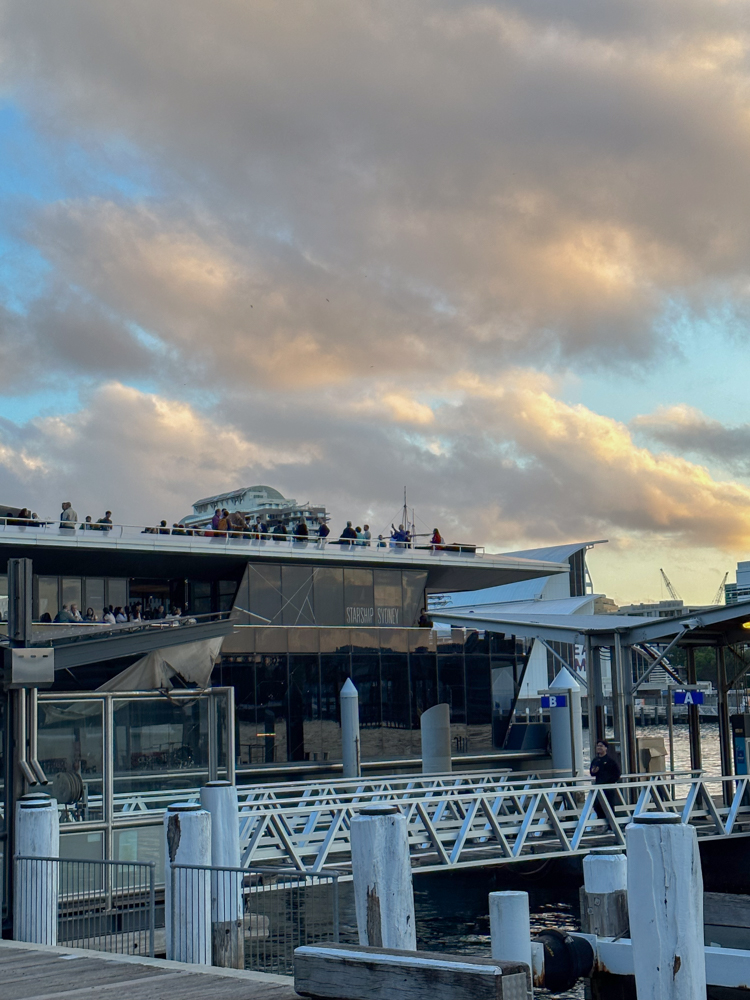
(672, 592)
(719, 597)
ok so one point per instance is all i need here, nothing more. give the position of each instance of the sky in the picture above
(493, 252)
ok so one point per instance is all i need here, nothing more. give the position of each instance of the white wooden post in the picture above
(435, 725)
(665, 900)
(187, 892)
(510, 927)
(36, 889)
(350, 745)
(383, 891)
(219, 798)
(605, 869)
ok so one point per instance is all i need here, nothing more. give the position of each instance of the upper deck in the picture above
(135, 550)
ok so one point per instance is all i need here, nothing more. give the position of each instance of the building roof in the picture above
(270, 492)
(722, 624)
(557, 553)
(128, 550)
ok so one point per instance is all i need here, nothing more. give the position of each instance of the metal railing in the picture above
(99, 905)
(203, 537)
(467, 825)
(248, 919)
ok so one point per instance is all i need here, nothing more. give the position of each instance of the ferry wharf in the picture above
(41, 972)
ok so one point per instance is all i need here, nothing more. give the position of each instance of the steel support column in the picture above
(725, 729)
(694, 722)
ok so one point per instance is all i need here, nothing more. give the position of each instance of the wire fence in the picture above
(99, 905)
(248, 919)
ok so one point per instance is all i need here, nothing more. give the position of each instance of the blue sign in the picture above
(688, 697)
(554, 701)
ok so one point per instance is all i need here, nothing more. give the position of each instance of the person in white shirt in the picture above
(77, 616)
(108, 617)
(68, 517)
(366, 534)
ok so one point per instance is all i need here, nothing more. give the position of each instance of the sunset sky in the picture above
(497, 253)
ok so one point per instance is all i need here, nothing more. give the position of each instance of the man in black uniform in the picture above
(605, 771)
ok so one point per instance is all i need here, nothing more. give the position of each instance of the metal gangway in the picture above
(471, 819)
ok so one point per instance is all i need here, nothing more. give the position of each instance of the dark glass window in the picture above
(478, 690)
(271, 687)
(394, 691)
(334, 669)
(72, 591)
(413, 583)
(117, 593)
(451, 685)
(423, 677)
(93, 594)
(226, 589)
(304, 706)
(359, 606)
(388, 597)
(48, 587)
(297, 593)
(328, 592)
(265, 593)
(200, 597)
(366, 678)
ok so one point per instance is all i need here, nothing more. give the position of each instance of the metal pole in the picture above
(670, 723)
(725, 730)
(694, 722)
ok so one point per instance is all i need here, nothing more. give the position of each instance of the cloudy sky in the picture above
(496, 252)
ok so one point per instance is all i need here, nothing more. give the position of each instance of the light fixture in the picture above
(746, 624)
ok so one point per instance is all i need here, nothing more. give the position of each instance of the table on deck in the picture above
(37, 972)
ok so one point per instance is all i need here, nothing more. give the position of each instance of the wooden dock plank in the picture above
(33, 972)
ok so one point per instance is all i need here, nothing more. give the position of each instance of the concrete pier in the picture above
(219, 798)
(187, 892)
(36, 890)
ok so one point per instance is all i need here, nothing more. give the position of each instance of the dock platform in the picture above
(38, 972)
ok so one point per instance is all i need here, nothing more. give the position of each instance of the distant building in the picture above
(662, 609)
(605, 606)
(261, 502)
(739, 591)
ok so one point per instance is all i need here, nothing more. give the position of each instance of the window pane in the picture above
(48, 601)
(388, 599)
(265, 594)
(3, 598)
(297, 593)
(117, 593)
(71, 591)
(451, 685)
(200, 599)
(271, 684)
(93, 589)
(358, 597)
(394, 674)
(423, 677)
(334, 669)
(71, 751)
(328, 586)
(413, 583)
(304, 708)
(478, 690)
(366, 679)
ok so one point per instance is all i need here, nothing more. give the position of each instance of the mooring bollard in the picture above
(219, 798)
(665, 901)
(604, 912)
(36, 890)
(510, 927)
(381, 867)
(350, 747)
(435, 726)
(187, 891)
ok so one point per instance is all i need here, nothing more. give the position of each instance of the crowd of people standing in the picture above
(233, 524)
